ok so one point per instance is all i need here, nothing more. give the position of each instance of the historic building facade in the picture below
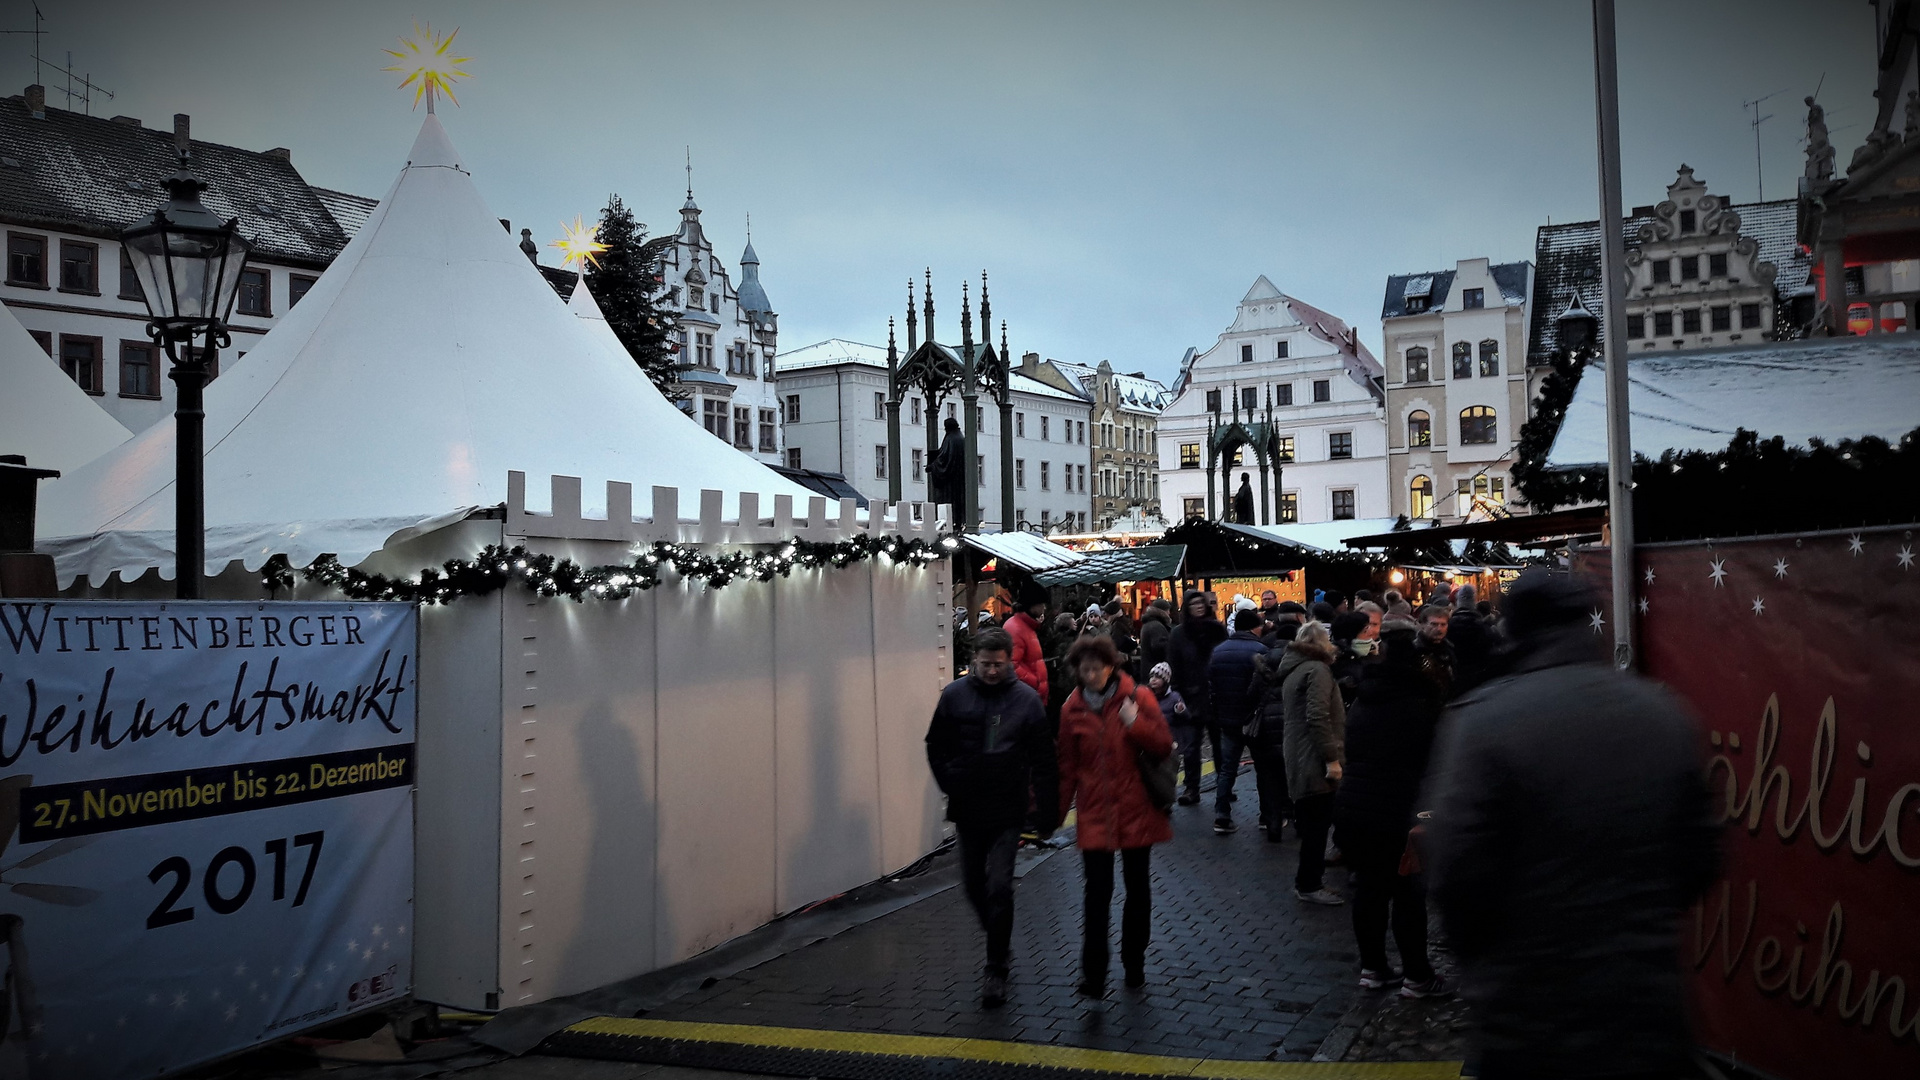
(1124, 434)
(70, 284)
(729, 336)
(1704, 273)
(1456, 386)
(1323, 390)
(833, 398)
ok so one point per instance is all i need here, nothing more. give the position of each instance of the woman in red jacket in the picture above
(1105, 726)
(1029, 659)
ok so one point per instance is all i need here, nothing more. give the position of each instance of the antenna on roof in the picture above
(1759, 176)
(37, 34)
(87, 86)
(749, 227)
(689, 173)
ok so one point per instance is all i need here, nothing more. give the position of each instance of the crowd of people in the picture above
(1552, 808)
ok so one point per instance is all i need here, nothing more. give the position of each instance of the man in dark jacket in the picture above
(1571, 830)
(1436, 656)
(991, 750)
(1389, 737)
(1233, 698)
(1189, 647)
(1156, 623)
(1471, 639)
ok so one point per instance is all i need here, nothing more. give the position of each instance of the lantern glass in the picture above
(188, 261)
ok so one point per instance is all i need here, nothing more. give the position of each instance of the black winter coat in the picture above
(1189, 647)
(1154, 632)
(1230, 678)
(991, 748)
(1571, 830)
(1473, 643)
(1389, 739)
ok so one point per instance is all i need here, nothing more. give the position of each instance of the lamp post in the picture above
(188, 263)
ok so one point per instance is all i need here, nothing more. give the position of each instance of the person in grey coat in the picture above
(1314, 744)
(1571, 829)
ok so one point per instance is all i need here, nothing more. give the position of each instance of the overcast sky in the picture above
(1123, 170)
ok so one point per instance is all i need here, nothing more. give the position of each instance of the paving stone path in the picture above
(1238, 968)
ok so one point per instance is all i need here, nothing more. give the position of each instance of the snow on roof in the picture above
(440, 360)
(93, 176)
(841, 351)
(1567, 261)
(1825, 388)
(43, 414)
(1137, 391)
(1317, 535)
(1023, 549)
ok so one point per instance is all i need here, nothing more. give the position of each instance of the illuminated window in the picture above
(1477, 425)
(1421, 491)
(1189, 455)
(1419, 428)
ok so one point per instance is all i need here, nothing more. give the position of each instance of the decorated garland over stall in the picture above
(495, 567)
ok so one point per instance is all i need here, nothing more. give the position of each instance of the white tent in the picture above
(429, 360)
(43, 415)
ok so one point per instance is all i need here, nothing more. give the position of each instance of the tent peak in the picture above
(432, 148)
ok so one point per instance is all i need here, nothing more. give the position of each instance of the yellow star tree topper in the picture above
(577, 244)
(429, 66)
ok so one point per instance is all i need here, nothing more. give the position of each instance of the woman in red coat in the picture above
(1104, 727)
(1029, 659)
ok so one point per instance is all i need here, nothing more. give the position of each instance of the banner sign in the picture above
(1801, 657)
(206, 827)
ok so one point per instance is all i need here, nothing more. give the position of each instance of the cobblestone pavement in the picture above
(1237, 968)
(1427, 1030)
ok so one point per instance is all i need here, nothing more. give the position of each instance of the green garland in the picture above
(495, 567)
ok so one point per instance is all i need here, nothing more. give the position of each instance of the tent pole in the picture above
(1613, 329)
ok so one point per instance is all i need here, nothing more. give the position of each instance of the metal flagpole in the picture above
(1613, 257)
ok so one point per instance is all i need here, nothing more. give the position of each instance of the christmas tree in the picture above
(623, 282)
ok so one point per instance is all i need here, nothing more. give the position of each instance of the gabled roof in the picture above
(92, 176)
(43, 414)
(1358, 359)
(1566, 260)
(431, 303)
(1436, 287)
(1262, 290)
(1819, 388)
(1136, 391)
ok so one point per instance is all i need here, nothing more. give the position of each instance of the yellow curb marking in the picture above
(1012, 1053)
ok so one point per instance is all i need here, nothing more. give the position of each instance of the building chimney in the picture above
(37, 101)
(1030, 361)
(182, 134)
(279, 153)
(527, 245)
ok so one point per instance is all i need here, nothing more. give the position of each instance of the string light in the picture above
(495, 567)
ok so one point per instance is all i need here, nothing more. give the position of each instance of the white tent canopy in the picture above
(43, 414)
(428, 361)
(1821, 388)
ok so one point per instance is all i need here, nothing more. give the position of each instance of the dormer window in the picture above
(1473, 298)
(1688, 222)
(1416, 304)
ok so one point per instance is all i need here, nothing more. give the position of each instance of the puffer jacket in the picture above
(1230, 679)
(1100, 772)
(1316, 719)
(1029, 659)
(989, 746)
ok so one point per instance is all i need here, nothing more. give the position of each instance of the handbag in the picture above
(1161, 776)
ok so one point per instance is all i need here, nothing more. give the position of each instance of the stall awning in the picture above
(1314, 536)
(1023, 549)
(1519, 529)
(1154, 562)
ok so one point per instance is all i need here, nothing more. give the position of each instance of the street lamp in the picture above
(188, 263)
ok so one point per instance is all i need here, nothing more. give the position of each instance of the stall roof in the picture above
(1520, 528)
(1825, 388)
(1024, 550)
(1314, 536)
(1153, 562)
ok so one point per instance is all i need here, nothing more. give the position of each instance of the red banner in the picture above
(1802, 658)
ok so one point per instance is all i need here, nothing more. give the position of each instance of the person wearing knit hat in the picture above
(1172, 705)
